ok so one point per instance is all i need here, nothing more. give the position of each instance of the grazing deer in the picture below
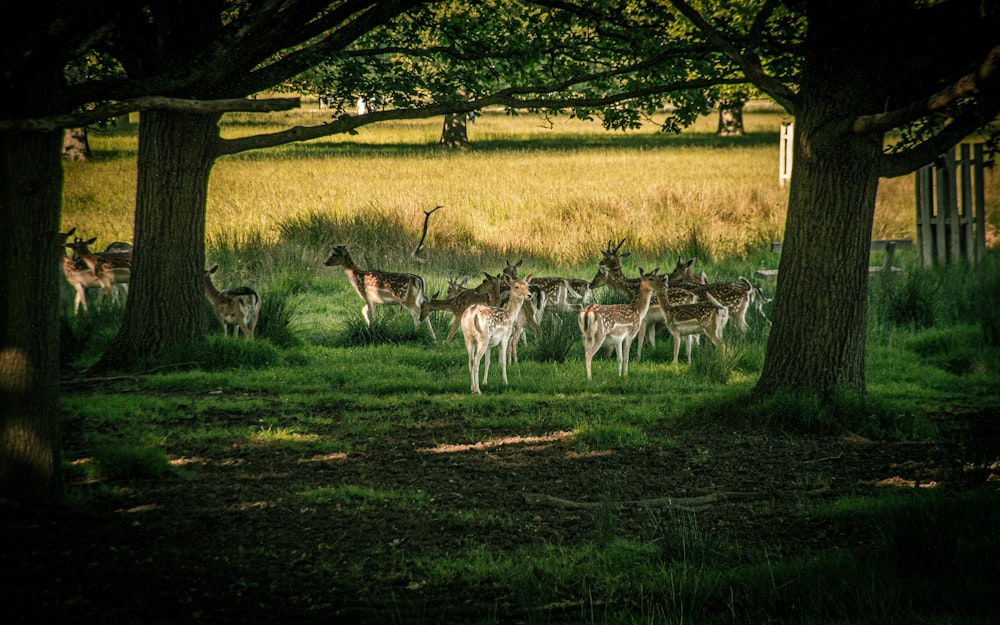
(485, 326)
(382, 287)
(110, 268)
(459, 298)
(618, 324)
(687, 320)
(238, 306)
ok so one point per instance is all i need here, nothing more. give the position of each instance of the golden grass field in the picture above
(554, 189)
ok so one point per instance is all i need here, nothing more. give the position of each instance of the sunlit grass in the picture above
(553, 193)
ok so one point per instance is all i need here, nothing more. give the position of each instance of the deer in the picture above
(563, 294)
(707, 317)
(382, 287)
(619, 282)
(682, 277)
(459, 297)
(735, 296)
(533, 309)
(110, 268)
(618, 324)
(485, 326)
(238, 306)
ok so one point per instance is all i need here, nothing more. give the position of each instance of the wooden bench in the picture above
(889, 246)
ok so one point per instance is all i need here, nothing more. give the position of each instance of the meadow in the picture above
(334, 472)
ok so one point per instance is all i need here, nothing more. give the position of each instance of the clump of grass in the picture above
(385, 328)
(277, 314)
(560, 334)
(118, 462)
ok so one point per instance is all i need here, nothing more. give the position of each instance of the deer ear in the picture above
(689, 263)
(625, 255)
(527, 278)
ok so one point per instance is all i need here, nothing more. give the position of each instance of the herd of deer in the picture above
(497, 311)
(111, 269)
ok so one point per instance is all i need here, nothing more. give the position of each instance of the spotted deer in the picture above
(617, 281)
(618, 324)
(681, 276)
(735, 296)
(533, 308)
(485, 326)
(382, 287)
(112, 269)
(707, 317)
(238, 307)
(459, 297)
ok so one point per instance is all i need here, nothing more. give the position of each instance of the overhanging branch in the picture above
(986, 78)
(108, 111)
(750, 64)
(511, 98)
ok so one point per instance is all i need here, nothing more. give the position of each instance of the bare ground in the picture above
(234, 538)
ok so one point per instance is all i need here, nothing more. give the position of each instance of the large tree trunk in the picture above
(76, 147)
(730, 119)
(455, 132)
(817, 342)
(165, 303)
(30, 196)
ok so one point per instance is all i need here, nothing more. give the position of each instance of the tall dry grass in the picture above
(555, 190)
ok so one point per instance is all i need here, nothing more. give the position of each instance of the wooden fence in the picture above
(951, 207)
(785, 146)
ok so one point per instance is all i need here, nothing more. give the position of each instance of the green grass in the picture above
(319, 382)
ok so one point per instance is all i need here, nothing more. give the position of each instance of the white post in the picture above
(785, 152)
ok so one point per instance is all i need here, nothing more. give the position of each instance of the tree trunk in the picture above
(817, 341)
(165, 303)
(75, 145)
(730, 119)
(30, 197)
(454, 133)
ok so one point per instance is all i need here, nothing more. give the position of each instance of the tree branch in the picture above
(983, 80)
(509, 98)
(750, 64)
(108, 111)
(906, 161)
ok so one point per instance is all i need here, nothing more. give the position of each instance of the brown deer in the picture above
(238, 307)
(618, 324)
(382, 287)
(707, 317)
(459, 298)
(485, 326)
(111, 268)
(681, 276)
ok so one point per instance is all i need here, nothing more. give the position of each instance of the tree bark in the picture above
(817, 340)
(32, 175)
(175, 159)
(730, 119)
(75, 144)
(455, 132)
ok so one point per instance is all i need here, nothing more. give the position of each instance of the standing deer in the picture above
(735, 296)
(459, 298)
(687, 320)
(238, 306)
(485, 326)
(682, 277)
(618, 324)
(382, 287)
(111, 268)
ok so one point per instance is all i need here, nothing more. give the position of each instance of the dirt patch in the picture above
(243, 533)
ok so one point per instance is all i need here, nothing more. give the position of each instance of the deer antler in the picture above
(423, 235)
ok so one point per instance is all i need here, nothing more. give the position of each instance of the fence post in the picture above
(948, 231)
(785, 150)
